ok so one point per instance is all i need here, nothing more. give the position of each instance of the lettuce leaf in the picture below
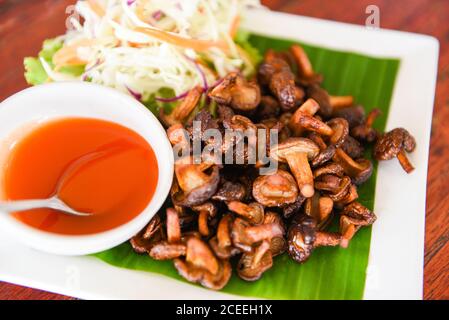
(34, 71)
(242, 39)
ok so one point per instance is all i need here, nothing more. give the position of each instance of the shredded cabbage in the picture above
(143, 46)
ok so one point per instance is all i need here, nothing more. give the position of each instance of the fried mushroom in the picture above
(253, 212)
(297, 152)
(236, 92)
(359, 170)
(395, 144)
(275, 190)
(167, 251)
(366, 132)
(303, 238)
(253, 264)
(230, 191)
(353, 217)
(278, 244)
(183, 110)
(206, 211)
(196, 185)
(194, 274)
(303, 119)
(147, 237)
(277, 75)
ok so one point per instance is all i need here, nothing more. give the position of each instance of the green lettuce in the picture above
(34, 71)
(242, 38)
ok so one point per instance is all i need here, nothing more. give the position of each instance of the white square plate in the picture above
(395, 269)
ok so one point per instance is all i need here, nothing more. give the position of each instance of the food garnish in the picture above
(156, 51)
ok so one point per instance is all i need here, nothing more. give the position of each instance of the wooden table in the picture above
(25, 24)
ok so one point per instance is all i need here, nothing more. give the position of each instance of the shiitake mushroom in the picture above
(223, 212)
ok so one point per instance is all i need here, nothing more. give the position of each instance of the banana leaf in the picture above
(331, 273)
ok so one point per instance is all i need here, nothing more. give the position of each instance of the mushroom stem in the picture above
(173, 226)
(224, 232)
(325, 205)
(301, 58)
(372, 116)
(347, 230)
(327, 239)
(405, 163)
(260, 252)
(253, 212)
(299, 165)
(263, 232)
(203, 226)
(341, 102)
(310, 107)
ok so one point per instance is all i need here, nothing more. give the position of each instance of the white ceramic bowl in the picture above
(79, 99)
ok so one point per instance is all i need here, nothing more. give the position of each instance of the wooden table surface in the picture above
(25, 24)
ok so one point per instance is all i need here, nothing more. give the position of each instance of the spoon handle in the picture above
(22, 205)
(52, 203)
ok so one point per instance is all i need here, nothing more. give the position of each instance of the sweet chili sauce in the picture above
(93, 165)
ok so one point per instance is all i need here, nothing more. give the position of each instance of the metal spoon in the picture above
(52, 203)
(55, 202)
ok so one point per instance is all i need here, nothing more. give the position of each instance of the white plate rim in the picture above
(396, 259)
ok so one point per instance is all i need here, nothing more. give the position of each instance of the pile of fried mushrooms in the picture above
(224, 215)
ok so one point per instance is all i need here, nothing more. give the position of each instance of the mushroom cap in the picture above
(282, 85)
(350, 197)
(364, 175)
(200, 255)
(360, 214)
(212, 281)
(236, 92)
(278, 244)
(391, 143)
(238, 234)
(329, 182)
(365, 131)
(142, 244)
(207, 206)
(322, 97)
(182, 111)
(152, 227)
(331, 168)
(200, 193)
(340, 129)
(359, 170)
(353, 148)
(290, 209)
(253, 212)
(251, 270)
(354, 115)
(230, 191)
(323, 157)
(275, 190)
(268, 107)
(342, 191)
(301, 237)
(223, 252)
(294, 145)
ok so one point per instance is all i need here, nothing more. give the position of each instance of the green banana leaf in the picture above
(331, 273)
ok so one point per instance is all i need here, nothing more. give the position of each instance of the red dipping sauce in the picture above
(93, 165)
